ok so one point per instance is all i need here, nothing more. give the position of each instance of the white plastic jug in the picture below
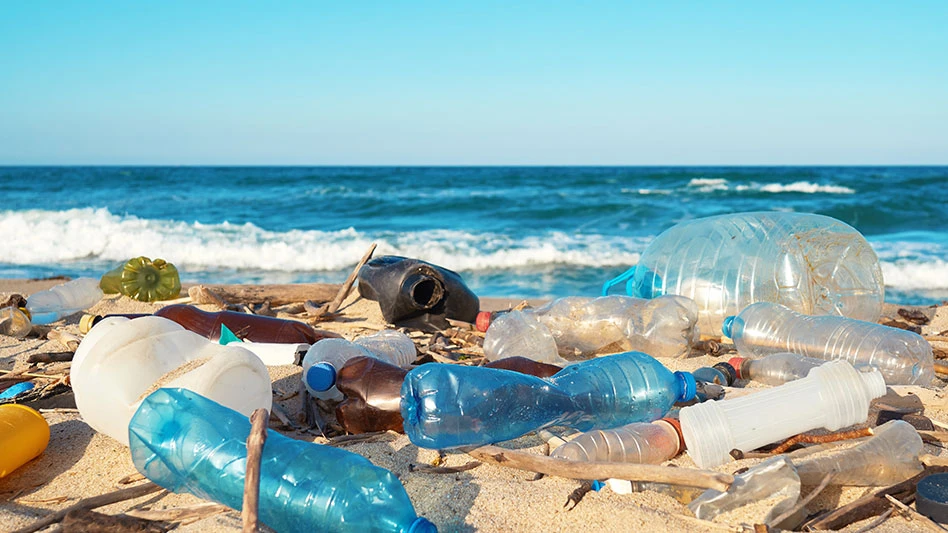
(121, 361)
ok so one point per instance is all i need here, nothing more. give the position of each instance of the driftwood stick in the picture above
(277, 294)
(347, 286)
(92, 503)
(181, 514)
(255, 442)
(941, 368)
(915, 515)
(50, 357)
(68, 340)
(89, 521)
(19, 374)
(202, 295)
(687, 477)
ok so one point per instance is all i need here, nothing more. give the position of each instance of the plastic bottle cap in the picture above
(483, 321)
(422, 525)
(690, 388)
(932, 497)
(737, 362)
(321, 376)
(86, 323)
(676, 424)
(726, 327)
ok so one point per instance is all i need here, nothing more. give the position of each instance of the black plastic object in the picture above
(932, 497)
(416, 294)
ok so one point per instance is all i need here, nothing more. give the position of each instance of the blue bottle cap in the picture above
(422, 525)
(321, 376)
(728, 325)
(597, 485)
(16, 390)
(688, 386)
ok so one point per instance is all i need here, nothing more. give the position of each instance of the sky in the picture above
(475, 83)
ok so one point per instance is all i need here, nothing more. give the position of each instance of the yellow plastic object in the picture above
(143, 279)
(24, 434)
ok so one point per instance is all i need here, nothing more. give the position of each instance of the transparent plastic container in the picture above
(24, 434)
(446, 406)
(187, 443)
(903, 357)
(575, 327)
(325, 358)
(813, 264)
(121, 360)
(14, 322)
(774, 480)
(832, 396)
(888, 457)
(63, 300)
(775, 369)
(143, 279)
(639, 442)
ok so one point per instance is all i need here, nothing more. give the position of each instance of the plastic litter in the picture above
(16, 390)
(578, 328)
(832, 396)
(811, 263)
(903, 357)
(271, 353)
(931, 497)
(723, 374)
(639, 442)
(24, 434)
(324, 359)
(187, 443)
(417, 294)
(445, 406)
(775, 479)
(775, 369)
(121, 360)
(143, 279)
(15, 322)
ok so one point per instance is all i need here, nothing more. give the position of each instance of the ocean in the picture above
(532, 232)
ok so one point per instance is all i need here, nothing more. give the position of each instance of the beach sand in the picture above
(81, 463)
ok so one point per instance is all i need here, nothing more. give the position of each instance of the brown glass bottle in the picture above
(373, 391)
(255, 328)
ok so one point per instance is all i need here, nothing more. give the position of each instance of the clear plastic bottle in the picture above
(775, 369)
(578, 328)
(15, 322)
(63, 300)
(903, 357)
(832, 396)
(888, 457)
(639, 442)
(811, 263)
(325, 358)
(446, 406)
(187, 443)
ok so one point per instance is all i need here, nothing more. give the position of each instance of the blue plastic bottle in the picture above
(187, 443)
(446, 406)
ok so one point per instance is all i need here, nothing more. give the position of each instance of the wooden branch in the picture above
(92, 503)
(687, 477)
(915, 515)
(277, 294)
(347, 286)
(88, 521)
(255, 442)
(68, 340)
(50, 357)
(202, 295)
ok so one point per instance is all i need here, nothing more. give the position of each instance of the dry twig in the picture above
(255, 442)
(92, 503)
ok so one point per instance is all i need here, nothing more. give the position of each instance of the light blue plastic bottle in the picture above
(446, 406)
(187, 443)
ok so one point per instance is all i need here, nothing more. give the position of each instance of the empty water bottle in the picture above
(832, 396)
(903, 357)
(811, 263)
(325, 358)
(775, 369)
(63, 300)
(15, 322)
(578, 328)
(446, 406)
(143, 279)
(187, 443)
(639, 442)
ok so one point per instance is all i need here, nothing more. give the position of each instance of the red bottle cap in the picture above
(482, 322)
(737, 362)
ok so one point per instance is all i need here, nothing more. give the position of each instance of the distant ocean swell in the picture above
(86, 239)
(714, 185)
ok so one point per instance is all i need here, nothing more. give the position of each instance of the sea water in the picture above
(537, 232)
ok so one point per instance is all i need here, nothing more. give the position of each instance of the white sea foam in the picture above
(718, 184)
(914, 275)
(38, 237)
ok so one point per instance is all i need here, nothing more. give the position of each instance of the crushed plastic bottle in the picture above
(832, 396)
(121, 360)
(324, 359)
(446, 406)
(578, 328)
(143, 279)
(775, 369)
(639, 442)
(903, 357)
(15, 322)
(24, 434)
(187, 443)
(63, 300)
(774, 480)
(813, 264)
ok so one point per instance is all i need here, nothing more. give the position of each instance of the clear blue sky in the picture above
(189, 82)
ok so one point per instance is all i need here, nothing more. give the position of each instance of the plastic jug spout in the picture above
(426, 291)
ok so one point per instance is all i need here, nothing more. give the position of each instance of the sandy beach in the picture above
(80, 463)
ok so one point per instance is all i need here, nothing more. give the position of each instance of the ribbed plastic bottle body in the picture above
(519, 334)
(387, 345)
(63, 300)
(445, 406)
(811, 263)
(643, 443)
(888, 457)
(143, 279)
(779, 368)
(14, 322)
(903, 357)
(187, 443)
